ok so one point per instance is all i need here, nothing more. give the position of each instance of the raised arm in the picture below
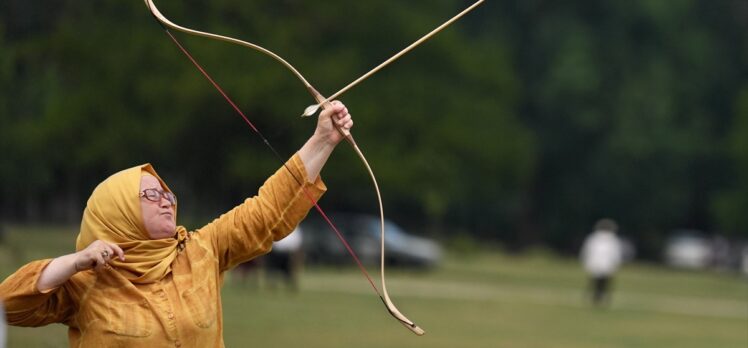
(282, 202)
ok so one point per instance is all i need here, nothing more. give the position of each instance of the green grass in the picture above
(485, 300)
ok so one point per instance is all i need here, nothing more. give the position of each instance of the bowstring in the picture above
(276, 153)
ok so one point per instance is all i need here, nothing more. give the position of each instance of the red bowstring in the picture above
(257, 131)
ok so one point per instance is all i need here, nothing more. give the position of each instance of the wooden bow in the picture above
(324, 102)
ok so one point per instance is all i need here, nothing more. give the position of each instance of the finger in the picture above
(348, 125)
(340, 123)
(99, 262)
(337, 106)
(326, 113)
(343, 120)
(106, 251)
(117, 250)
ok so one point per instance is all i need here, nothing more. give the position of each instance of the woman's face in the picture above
(158, 217)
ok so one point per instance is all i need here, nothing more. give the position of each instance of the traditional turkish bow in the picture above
(312, 109)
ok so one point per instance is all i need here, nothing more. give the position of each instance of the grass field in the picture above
(484, 300)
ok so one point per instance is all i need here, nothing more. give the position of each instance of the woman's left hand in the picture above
(332, 117)
(317, 149)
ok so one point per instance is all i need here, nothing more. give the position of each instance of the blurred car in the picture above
(321, 244)
(688, 249)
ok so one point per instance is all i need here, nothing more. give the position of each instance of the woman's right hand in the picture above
(97, 256)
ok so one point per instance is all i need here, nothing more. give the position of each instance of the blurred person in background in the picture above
(137, 279)
(602, 254)
(285, 262)
(249, 274)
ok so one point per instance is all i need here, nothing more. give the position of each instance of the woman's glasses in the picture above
(155, 195)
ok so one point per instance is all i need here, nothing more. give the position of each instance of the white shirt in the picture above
(602, 253)
(291, 242)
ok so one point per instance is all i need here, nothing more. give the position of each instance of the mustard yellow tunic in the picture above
(183, 309)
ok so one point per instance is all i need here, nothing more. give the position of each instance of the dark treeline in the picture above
(521, 124)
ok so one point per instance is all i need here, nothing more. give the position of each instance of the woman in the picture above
(139, 280)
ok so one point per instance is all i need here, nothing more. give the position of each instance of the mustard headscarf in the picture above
(113, 215)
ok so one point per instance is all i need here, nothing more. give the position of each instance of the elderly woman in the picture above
(139, 280)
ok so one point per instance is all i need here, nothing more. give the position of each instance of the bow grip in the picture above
(344, 132)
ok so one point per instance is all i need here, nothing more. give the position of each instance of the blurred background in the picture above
(498, 145)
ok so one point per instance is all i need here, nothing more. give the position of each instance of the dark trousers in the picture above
(600, 288)
(283, 267)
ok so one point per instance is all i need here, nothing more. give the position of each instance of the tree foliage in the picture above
(523, 123)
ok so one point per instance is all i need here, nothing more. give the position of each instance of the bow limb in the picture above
(385, 296)
(321, 100)
(169, 24)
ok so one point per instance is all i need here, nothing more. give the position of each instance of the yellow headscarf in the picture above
(113, 215)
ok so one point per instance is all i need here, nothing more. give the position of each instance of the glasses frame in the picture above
(172, 198)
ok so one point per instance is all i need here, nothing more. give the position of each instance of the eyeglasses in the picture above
(155, 195)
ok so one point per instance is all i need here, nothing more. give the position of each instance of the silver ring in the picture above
(105, 253)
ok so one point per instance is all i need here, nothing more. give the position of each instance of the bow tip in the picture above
(415, 328)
